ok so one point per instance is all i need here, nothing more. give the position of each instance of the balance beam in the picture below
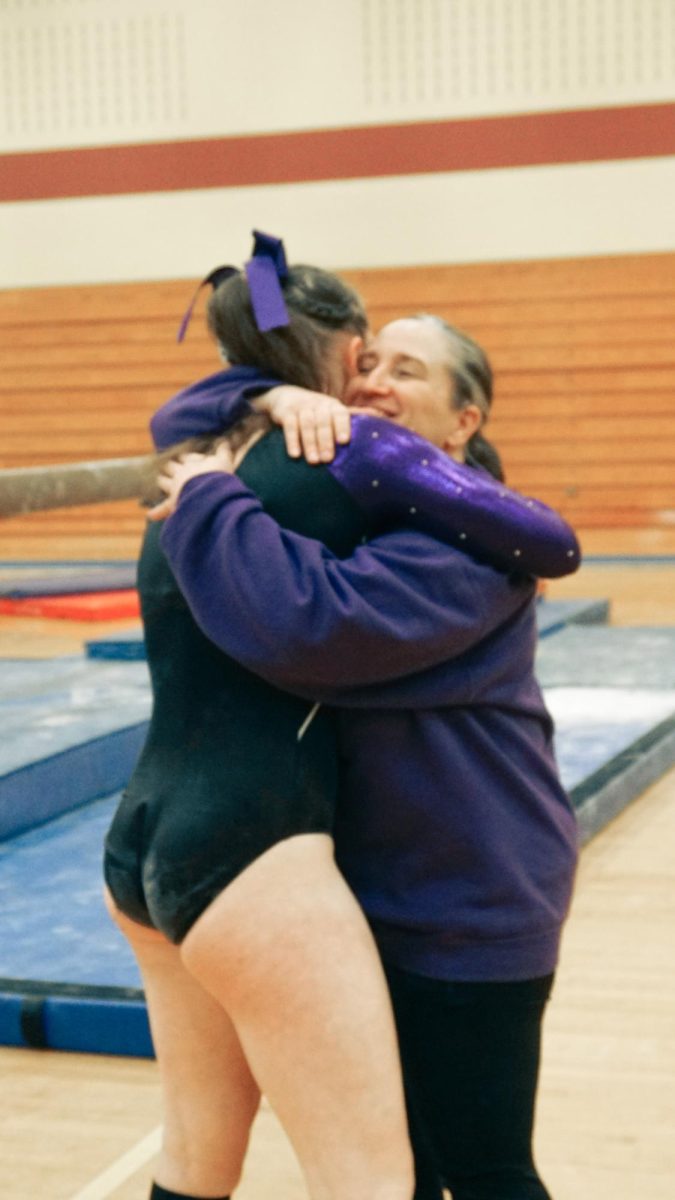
(34, 489)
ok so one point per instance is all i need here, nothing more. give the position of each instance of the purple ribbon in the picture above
(265, 272)
(214, 277)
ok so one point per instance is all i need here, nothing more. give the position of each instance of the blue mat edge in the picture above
(573, 612)
(600, 797)
(67, 780)
(128, 646)
(43, 1016)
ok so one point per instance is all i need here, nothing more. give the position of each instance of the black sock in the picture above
(160, 1193)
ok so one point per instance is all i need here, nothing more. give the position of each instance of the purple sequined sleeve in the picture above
(401, 479)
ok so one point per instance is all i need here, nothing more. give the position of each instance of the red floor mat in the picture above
(86, 606)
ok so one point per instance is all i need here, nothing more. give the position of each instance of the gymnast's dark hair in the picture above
(472, 383)
(319, 304)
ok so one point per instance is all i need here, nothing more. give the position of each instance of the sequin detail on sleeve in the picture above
(398, 477)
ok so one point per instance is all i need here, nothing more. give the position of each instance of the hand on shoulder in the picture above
(176, 473)
(314, 424)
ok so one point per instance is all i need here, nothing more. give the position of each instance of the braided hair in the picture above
(319, 305)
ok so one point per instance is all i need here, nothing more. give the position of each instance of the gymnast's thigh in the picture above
(168, 882)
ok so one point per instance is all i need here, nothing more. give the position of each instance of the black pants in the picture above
(470, 1054)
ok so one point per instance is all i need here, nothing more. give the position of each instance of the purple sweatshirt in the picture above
(452, 828)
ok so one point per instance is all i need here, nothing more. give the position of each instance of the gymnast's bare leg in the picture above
(285, 958)
(209, 1095)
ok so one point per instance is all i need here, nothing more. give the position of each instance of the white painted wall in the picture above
(86, 72)
(90, 72)
(534, 212)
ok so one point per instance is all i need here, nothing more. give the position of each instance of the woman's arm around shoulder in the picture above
(212, 405)
(284, 606)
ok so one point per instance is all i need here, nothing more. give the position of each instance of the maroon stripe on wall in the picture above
(583, 135)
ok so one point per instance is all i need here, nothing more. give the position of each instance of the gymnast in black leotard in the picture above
(231, 765)
(222, 844)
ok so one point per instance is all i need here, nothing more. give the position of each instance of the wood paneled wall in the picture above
(583, 352)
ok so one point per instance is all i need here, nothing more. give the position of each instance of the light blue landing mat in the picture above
(553, 615)
(621, 656)
(611, 744)
(611, 691)
(72, 730)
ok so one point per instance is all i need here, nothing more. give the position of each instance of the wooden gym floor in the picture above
(76, 1127)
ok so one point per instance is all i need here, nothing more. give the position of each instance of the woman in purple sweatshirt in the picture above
(452, 826)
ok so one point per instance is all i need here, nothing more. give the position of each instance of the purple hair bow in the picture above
(265, 272)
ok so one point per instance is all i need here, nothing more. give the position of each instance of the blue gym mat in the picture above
(63, 579)
(127, 645)
(67, 977)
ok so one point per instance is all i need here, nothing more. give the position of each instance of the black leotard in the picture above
(222, 776)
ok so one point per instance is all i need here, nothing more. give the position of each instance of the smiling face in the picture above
(405, 374)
